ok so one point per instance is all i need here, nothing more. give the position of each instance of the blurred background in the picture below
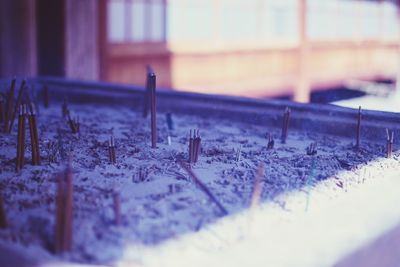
(295, 49)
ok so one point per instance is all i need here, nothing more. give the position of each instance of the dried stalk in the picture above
(64, 212)
(203, 187)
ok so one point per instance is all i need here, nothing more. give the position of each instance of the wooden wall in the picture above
(256, 71)
(17, 38)
(81, 37)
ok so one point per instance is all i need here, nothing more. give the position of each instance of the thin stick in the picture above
(34, 136)
(358, 128)
(191, 146)
(257, 187)
(389, 143)
(285, 125)
(3, 219)
(117, 208)
(22, 89)
(203, 188)
(152, 86)
(9, 105)
(64, 211)
(21, 139)
(111, 150)
(197, 146)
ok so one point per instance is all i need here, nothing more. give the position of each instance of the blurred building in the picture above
(240, 47)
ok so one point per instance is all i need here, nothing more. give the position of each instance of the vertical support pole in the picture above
(302, 88)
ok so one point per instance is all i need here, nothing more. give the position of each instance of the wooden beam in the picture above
(302, 89)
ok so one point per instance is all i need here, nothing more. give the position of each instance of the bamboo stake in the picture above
(389, 143)
(257, 187)
(197, 146)
(111, 150)
(64, 212)
(34, 136)
(285, 125)
(204, 188)
(152, 86)
(21, 139)
(358, 128)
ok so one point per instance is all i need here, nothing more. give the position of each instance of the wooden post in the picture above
(302, 88)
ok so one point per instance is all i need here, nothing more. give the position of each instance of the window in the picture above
(136, 21)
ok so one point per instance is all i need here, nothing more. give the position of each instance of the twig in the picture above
(152, 87)
(34, 136)
(64, 212)
(203, 187)
(358, 128)
(389, 143)
(285, 125)
(21, 139)
(257, 187)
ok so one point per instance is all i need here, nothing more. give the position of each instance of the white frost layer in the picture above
(336, 223)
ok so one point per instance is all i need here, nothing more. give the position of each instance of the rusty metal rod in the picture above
(152, 86)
